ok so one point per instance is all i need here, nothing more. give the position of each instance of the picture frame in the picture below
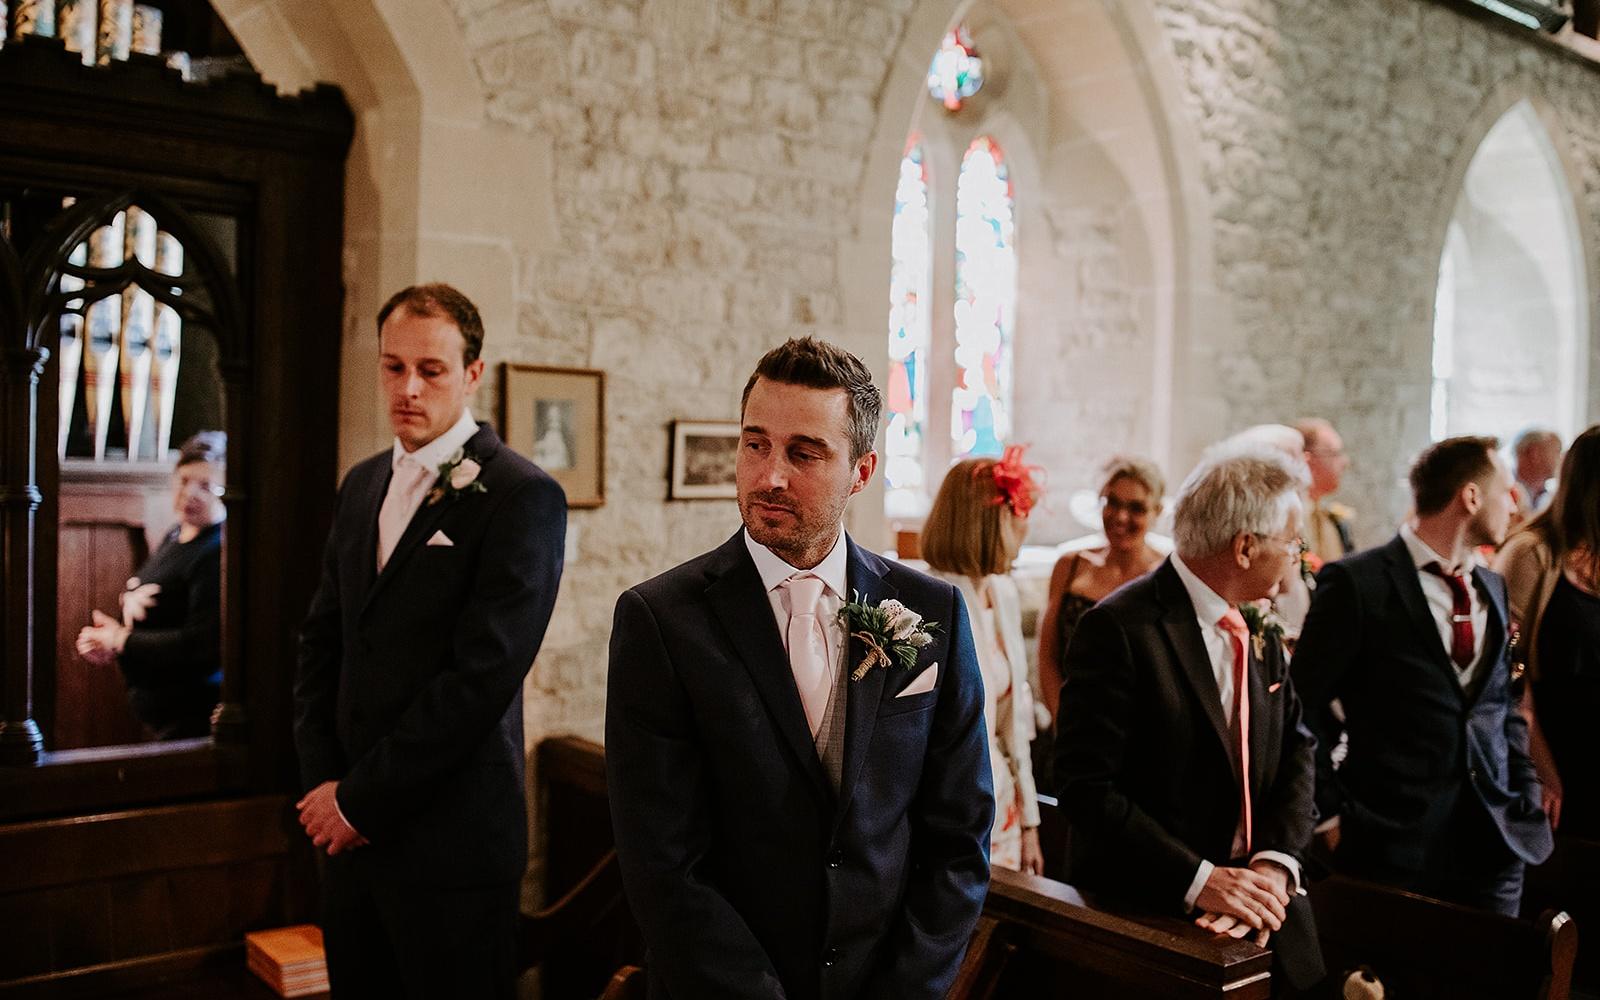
(556, 418)
(704, 456)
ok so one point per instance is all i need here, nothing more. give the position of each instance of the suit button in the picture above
(830, 957)
(835, 859)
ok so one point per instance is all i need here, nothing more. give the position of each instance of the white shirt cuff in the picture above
(341, 813)
(1331, 823)
(1279, 858)
(1200, 875)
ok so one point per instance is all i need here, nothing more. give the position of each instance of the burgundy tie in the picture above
(1460, 615)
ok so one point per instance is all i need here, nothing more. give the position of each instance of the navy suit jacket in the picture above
(410, 680)
(1418, 740)
(748, 875)
(1145, 764)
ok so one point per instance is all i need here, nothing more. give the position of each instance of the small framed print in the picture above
(705, 458)
(556, 418)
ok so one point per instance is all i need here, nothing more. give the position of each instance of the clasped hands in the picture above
(101, 642)
(1238, 901)
(319, 814)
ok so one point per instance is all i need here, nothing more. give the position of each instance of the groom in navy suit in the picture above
(438, 581)
(788, 826)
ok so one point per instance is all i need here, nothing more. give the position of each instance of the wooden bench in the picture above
(1570, 881)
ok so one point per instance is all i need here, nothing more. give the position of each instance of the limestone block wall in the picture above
(1334, 138)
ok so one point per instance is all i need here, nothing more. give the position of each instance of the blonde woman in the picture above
(971, 537)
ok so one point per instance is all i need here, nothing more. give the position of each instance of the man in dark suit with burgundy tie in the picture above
(438, 581)
(795, 819)
(1437, 794)
(1181, 760)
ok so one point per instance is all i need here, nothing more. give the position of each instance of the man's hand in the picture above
(1236, 901)
(319, 814)
(138, 599)
(1032, 855)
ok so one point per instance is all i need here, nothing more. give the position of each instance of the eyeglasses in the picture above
(181, 483)
(1296, 546)
(1133, 508)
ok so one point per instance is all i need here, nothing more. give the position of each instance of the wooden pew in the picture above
(1424, 949)
(1038, 938)
(1570, 881)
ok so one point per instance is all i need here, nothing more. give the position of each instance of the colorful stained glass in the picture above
(956, 72)
(911, 250)
(986, 302)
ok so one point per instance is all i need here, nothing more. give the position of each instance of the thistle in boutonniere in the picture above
(457, 477)
(892, 633)
(1262, 622)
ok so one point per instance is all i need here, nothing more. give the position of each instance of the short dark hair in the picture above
(1443, 468)
(206, 446)
(439, 299)
(817, 364)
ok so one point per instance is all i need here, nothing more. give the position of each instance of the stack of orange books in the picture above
(289, 959)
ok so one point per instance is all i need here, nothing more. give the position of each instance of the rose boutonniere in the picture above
(1262, 622)
(1310, 566)
(891, 632)
(457, 477)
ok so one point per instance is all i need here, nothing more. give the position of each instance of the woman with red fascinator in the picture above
(971, 537)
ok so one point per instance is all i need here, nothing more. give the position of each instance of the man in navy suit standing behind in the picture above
(437, 584)
(1437, 795)
(795, 819)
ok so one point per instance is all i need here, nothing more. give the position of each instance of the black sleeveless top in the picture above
(1567, 694)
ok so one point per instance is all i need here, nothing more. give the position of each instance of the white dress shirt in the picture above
(832, 571)
(1441, 602)
(1209, 607)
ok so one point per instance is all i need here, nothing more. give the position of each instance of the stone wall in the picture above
(1332, 137)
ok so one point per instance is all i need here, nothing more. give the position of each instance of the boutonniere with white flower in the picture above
(892, 633)
(457, 477)
(1262, 623)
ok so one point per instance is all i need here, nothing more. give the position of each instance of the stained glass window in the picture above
(909, 299)
(986, 302)
(956, 72)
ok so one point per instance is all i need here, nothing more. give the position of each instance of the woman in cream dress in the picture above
(972, 535)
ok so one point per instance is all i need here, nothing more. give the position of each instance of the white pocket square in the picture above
(440, 538)
(922, 684)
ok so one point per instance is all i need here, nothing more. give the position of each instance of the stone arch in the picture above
(1113, 118)
(423, 153)
(1558, 296)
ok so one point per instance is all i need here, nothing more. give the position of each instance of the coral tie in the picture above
(808, 651)
(1233, 624)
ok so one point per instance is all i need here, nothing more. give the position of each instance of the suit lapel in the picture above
(740, 602)
(369, 500)
(864, 577)
(1494, 630)
(1403, 574)
(1194, 661)
(482, 446)
(1256, 679)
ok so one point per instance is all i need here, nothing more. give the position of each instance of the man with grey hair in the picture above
(1181, 761)
(1537, 452)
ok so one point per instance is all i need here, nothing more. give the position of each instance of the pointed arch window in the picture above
(986, 302)
(910, 296)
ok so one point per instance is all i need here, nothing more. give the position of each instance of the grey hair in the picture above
(1237, 486)
(1533, 437)
(1289, 440)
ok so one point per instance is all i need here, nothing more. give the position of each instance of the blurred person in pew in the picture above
(1438, 794)
(1329, 526)
(970, 539)
(168, 639)
(1536, 454)
(1552, 571)
(1182, 764)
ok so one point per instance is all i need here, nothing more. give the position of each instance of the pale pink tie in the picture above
(1233, 624)
(808, 651)
(399, 504)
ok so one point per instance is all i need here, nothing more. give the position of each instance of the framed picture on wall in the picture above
(704, 456)
(556, 418)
